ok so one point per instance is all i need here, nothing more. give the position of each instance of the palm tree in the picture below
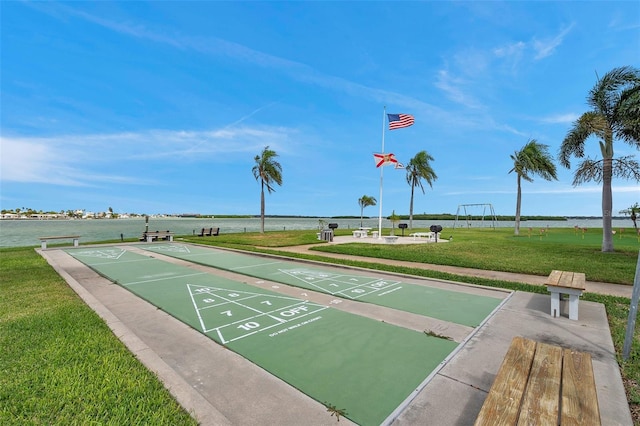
(269, 171)
(533, 158)
(419, 168)
(365, 201)
(633, 213)
(615, 100)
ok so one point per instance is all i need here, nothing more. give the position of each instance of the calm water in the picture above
(17, 233)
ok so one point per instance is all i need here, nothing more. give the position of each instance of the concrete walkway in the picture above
(220, 387)
(591, 286)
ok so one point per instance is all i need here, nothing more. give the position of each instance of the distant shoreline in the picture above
(501, 218)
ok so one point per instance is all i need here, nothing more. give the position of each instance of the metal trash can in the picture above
(326, 235)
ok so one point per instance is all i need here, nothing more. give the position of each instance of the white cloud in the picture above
(75, 160)
(547, 46)
(216, 46)
(456, 90)
(53, 161)
(563, 189)
(567, 118)
(32, 161)
(512, 49)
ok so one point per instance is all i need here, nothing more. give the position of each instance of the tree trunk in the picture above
(518, 199)
(411, 209)
(262, 209)
(607, 205)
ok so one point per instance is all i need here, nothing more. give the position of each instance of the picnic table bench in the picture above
(75, 238)
(542, 384)
(360, 233)
(570, 283)
(419, 235)
(390, 239)
(150, 236)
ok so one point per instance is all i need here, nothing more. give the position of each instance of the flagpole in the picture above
(384, 112)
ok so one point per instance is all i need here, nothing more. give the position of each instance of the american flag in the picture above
(398, 121)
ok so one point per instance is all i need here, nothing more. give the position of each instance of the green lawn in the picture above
(60, 364)
(500, 250)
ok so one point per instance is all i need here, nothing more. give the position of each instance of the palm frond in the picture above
(627, 127)
(626, 168)
(606, 93)
(419, 169)
(589, 170)
(588, 124)
(534, 158)
(267, 169)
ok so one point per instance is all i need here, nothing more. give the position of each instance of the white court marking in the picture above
(233, 314)
(348, 286)
(163, 276)
(114, 253)
(171, 248)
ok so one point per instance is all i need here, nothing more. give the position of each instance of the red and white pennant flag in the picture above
(385, 160)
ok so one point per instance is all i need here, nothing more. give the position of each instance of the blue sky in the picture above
(161, 107)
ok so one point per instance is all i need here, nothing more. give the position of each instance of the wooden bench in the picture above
(542, 384)
(209, 232)
(151, 236)
(75, 238)
(570, 283)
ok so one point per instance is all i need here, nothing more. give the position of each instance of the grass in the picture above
(61, 364)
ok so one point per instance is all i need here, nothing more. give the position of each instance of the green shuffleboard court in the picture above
(366, 367)
(453, 306)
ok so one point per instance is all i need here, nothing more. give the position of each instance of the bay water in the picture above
(25, 232)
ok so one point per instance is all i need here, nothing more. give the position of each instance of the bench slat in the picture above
(60, 237)
(542, 398)
(554, 277)
(565, 279)
(505, 395)
(579, 397)
(578, 281)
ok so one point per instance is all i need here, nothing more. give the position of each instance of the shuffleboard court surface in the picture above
(453, 306)
(364, 366)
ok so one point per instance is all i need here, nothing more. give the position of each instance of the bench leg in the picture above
(149, 238)
(75, 242)
(43, 245)
(573, 306)
(555, 304)
(170, 237)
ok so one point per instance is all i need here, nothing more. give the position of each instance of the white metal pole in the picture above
(384, 112)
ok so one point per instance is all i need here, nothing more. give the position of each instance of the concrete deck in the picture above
(220, 387)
